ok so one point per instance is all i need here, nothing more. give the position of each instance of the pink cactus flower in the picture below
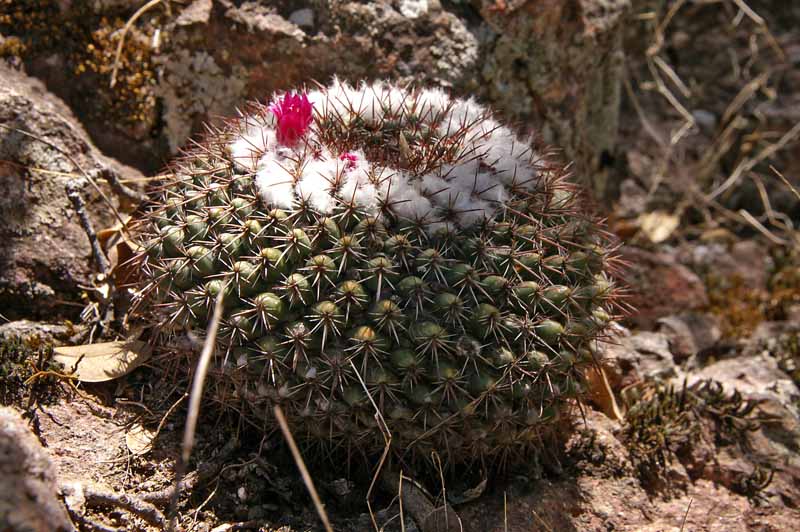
(349, 159)
(294, 115)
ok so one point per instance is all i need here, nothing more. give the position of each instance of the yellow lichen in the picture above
(88, 42)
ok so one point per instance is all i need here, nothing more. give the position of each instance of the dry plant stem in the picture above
(194, 405)
(118, 186)
(387, 438)
(73, 193)
(134, 505)
(141, 11)
(750, 163)
(542, 521)
(301, 465)
(786, 182)
(685, 515)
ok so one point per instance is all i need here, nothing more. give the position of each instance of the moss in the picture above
(739, 307)
(21, 359)
(659, 424)
(664, 422)
(88, 42)
(784, 291)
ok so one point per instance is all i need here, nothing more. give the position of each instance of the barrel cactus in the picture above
(382, 250)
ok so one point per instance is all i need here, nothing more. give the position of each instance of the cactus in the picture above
(382, 249)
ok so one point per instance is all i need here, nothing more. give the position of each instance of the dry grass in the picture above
(712, 175)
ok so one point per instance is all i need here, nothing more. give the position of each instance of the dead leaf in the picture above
(658, 225)
(104, 361)
(111, 235)
(600, 392)
(120, 250)
(139, 439)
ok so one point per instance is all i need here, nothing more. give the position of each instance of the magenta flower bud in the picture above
(349, 159)
(294, 115)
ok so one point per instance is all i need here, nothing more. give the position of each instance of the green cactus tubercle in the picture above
(395, 249)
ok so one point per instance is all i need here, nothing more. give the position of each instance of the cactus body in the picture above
(398, 250)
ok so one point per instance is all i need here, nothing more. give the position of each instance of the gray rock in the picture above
(643, 354)
(29, 501)
(757, 375)
(303, 18)
(47, 332)
(45, 255)
(705, 119)
(690, 333)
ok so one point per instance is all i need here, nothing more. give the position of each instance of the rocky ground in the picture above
(675, 126)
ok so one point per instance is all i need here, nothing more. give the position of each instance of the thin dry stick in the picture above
(73, 193)
(542, 521)
(748, 164)
(505, 511)
(169, 413)
(387, 439)
(301, 465)
(194, 406)
(141, 11)
(761, 229)
(683, 523)
(400, 503)
(785, 182)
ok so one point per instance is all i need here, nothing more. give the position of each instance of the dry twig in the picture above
(141, 11)
(301, 465)
(194, 405)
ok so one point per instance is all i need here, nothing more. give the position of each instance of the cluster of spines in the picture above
(469, 340)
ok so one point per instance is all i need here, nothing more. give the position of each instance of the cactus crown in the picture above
(389, 249)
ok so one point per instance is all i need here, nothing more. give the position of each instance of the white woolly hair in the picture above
(474, 186)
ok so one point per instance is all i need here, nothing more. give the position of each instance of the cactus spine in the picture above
(382, 246)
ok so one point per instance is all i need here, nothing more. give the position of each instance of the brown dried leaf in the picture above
(600, 392)
(103, 361)
(139, 439)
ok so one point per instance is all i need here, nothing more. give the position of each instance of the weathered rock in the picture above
(47, 332)
(551, 66)
(690, 333)
(605, 494)
(558, 64)
(640, 355)
(660, 286)
(746, 261)
(45, 255)
(29, 501)
(755, 374)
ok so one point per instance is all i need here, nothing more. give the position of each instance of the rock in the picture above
(705, 119)
(605, 494)
(744, 260)
(47, 332)
(27, 481)
(660, 286)
(303, 18)
(690, 333)
(559, 65)
(553, 66)
(766, 366)
(641, 355)
(45, 254)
